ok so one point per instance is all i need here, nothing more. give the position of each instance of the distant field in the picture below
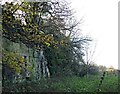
(69, 84)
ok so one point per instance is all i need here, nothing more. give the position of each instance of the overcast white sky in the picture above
(101, 23)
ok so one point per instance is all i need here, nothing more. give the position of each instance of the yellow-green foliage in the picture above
(14, 61)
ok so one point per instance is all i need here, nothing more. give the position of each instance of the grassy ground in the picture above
(68, 84)
(86, 84)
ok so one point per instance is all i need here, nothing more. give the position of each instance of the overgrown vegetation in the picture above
(58, 50)
(68, 84)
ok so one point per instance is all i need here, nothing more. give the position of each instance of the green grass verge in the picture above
(68, 84)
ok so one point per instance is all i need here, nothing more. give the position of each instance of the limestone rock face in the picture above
(35, 63)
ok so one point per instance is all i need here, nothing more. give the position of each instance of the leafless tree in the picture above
(89, 55)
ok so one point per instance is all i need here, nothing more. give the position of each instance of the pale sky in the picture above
(101, 23)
